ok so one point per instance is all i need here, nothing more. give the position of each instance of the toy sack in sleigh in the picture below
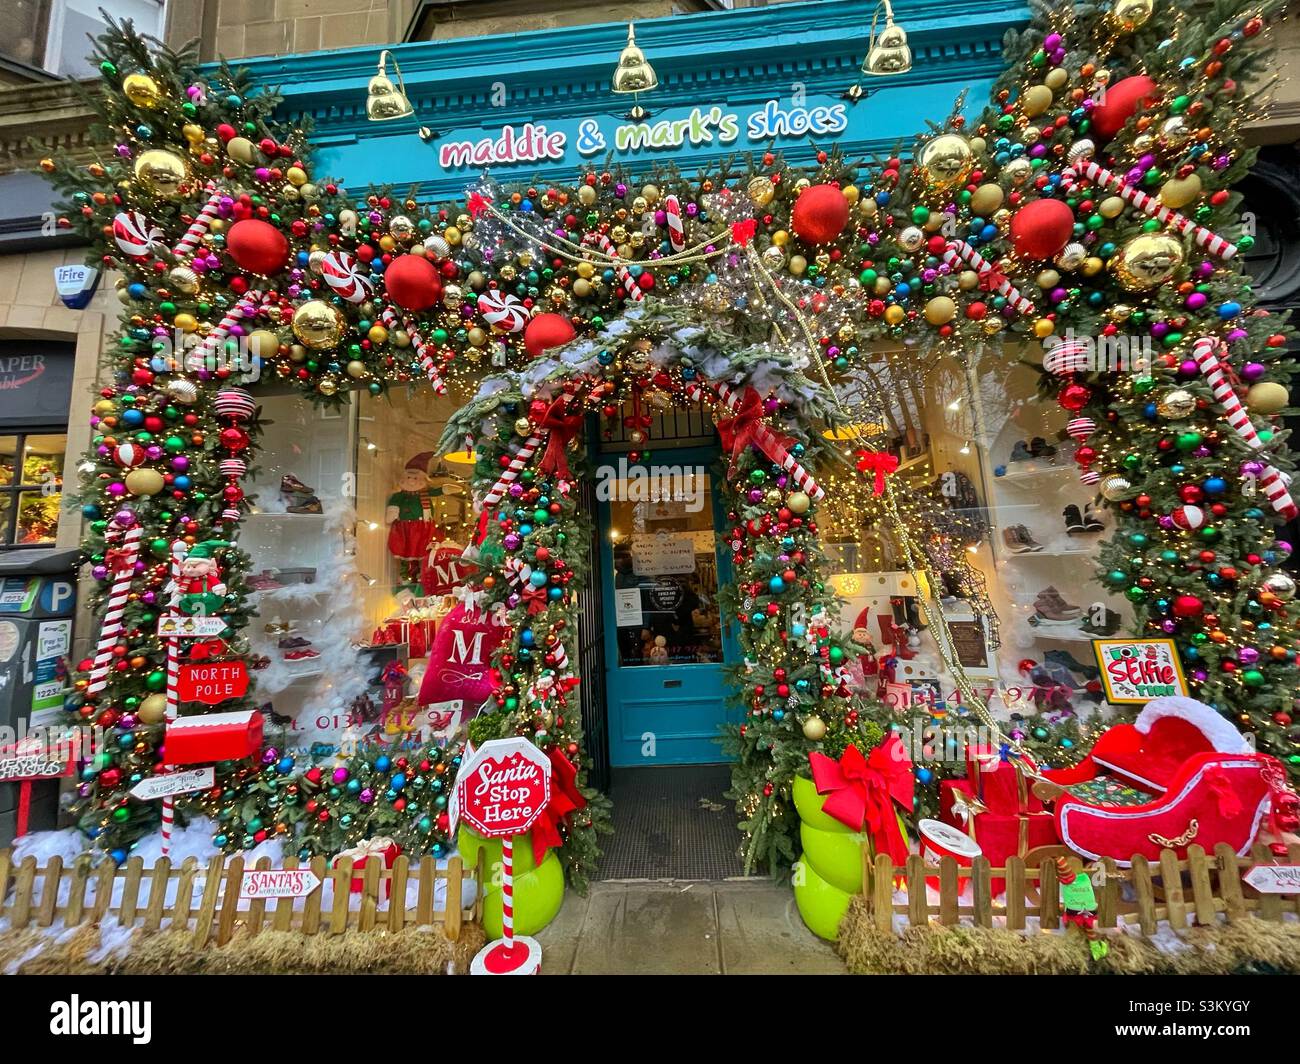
(1180, 775)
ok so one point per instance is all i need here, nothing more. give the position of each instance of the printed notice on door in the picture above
(627, 607)
(663, 554)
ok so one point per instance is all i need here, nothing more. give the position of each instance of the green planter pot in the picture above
(821, 905)
(836, 856)
(539, 889)
(809, 805)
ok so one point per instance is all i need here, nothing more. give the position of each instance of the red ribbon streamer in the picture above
(565, 799)
(745, 429)
(743, 232)
(476, 204)
(562, 427)
(861, 792)
(881, 463)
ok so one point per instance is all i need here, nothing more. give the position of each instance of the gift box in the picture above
(210, 737)
(1001, 786)
(381, 849)
(998, 835)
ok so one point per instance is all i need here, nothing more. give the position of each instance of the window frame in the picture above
(9, 523)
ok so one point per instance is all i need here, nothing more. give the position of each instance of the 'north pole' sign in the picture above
(212, 683)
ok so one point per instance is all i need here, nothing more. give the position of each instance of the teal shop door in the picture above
(665, 641)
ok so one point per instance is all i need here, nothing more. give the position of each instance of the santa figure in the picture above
(200, 589)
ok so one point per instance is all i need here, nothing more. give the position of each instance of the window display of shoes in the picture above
(1052, 607)
(1019, 540)
(1093, 519)
(291, 485)
(1075, 523)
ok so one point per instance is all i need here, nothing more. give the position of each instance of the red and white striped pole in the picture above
(633, 290)
(508, 892)
(427, 361)
(178, 551)
(200, 226)
(124, 573)
(517, 463)
(958, 251)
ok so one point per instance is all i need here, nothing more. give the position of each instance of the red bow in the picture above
(743, 232)
(208, 648)
(992, 279)
(477, 203)
(565, 799)
(861, 792)
(561, 428)
(879, 462)
(746, 427)
(535, 597)
(120, 559)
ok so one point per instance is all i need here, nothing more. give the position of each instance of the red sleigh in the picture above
(1181, 774)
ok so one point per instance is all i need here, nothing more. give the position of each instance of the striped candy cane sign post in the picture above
(427, 362)
(178, 551)
(1206, 353)
(958, 251)
(501, 789)
(125, 556)
(1082, 166)
(765, 438)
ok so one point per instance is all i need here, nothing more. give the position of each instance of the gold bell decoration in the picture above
(318, 325)
(887, 51)
(384, 100)
(634, 74)
(1147, 260)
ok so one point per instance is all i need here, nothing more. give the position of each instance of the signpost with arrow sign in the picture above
(172, 783)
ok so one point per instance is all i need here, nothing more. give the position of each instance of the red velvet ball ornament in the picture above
(820, 214)
(1041, 228)
(413, 282)
(257, 246)
(1121, 103)
(1188, 606)
(1074, 396)
(546, 331)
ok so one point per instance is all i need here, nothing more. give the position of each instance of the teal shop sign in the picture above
(538, 106)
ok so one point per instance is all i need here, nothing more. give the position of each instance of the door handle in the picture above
(672, 683)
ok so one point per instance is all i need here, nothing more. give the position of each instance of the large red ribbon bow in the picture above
(743, 232)
(120, 559)
(881, 463)
(561, 427)
(565, 799)
(746, 428)
(477, 203)
(535, 597)
(861, 792)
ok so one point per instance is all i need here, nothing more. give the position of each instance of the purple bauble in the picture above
(1252, 469)
(366, 796)
(1248, 655)
(1252, 371)
(340, 775)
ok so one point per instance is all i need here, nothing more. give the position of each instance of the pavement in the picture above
(643, 927)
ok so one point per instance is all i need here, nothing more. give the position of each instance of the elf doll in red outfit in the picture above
(200, 588)
(409, 517)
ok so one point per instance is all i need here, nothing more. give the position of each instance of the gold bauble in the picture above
(142, 90)
(297, 353)
(640, 205)
(1036, 100)
(187, 323)
(814, 728)
(144, 481)
(911, 239)
(1111, 207)
(152, 710)
(243, 150)
(651, 194)
(523, 426)
(402, 227)
(798, 264)
(968, 280)
(1018, 170)
(318, 325)
(1071, 257)
(1267, 397)
(586, 195)
(195, 135)
(582, 288)
(1056, 78)
(618, 234)
(1178, 192)
(327, 386)
(161, 172)
(377, 335)
(1176, 403)
(1047, 279)
(946, 161)
(356, 368)
(761, 190)
(1092, 266)
(797, 502)
(895, 315)
(774, 257)
(296, 176)
(1130, 15)
(1114, 487)
(183, 279)
(477, 337)
(453, 296)
(940, 310)
(986, 199)
(1147, 260)
(1119, 312)
(263, 343)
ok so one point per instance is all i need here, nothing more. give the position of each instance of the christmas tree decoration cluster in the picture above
(1087, 211)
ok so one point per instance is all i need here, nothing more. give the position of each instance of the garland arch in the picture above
(1090, 199)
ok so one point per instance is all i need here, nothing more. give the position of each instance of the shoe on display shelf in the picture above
(1052, 607)
(291, 485)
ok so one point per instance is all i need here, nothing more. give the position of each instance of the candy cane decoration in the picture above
(245, 308)
(124, 571)
(179, 550)
(1082, 165)
(199, 227)
(1206, 353)
(673, 219)
(764, 437)
(511, 473)
(427, 362)
(508, 892)
(628, 282)
(960, 251)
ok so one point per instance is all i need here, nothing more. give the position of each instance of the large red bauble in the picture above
(1041, 228)
(413, 282)
(1074, 396)
(257, 246)
(820, 214)
(1122, 101)
(1188, 606)
(546, 331)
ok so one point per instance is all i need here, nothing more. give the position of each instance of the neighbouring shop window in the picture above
(51, 34)
(31, 487)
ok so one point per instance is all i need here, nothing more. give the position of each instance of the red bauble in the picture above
(413, 282)
(546, 331)
(1041, 228)
(1188, 606)
(1074, 396)
(1188, 518)
(820, 214)
(258, 247)
(1121, 103)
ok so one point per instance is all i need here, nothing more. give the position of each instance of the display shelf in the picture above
(1013, 476)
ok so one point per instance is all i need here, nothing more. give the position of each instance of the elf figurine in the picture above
(409, 517)
(200, 589)
(1079, 901)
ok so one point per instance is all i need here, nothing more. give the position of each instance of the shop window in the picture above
(51, 34)
(31, 488)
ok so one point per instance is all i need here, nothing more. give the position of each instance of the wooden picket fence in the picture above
(1202, 887)
(206, 901)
